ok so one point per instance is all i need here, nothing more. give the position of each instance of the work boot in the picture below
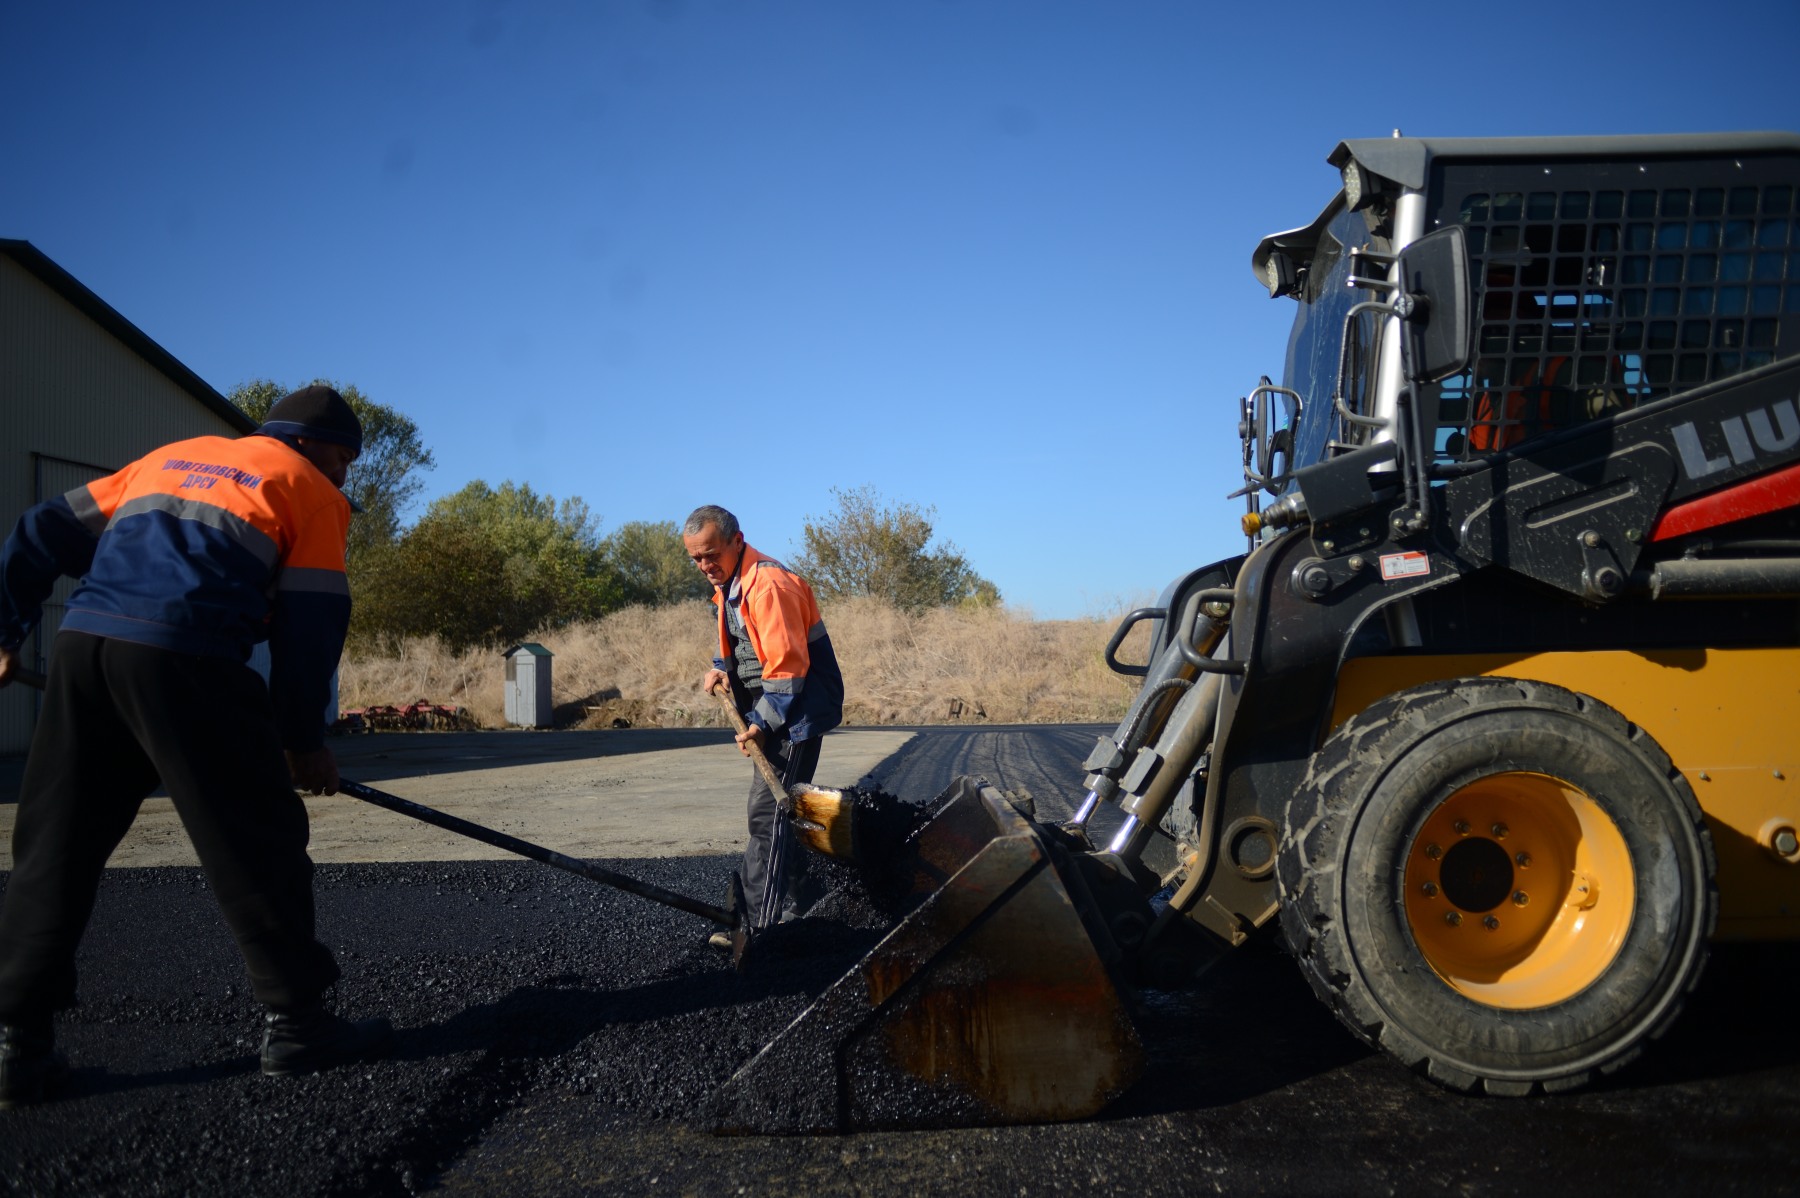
(313, 1040)
(29, 1064)
(720, 940)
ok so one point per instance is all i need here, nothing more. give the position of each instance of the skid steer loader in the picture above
(1495, 718)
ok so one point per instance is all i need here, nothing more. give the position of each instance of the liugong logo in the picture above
(1758, 431)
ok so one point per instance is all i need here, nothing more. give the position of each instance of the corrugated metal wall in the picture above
(75, 403)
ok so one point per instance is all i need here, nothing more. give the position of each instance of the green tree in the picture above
(487, 565)
(383, 480)
(867, 548)
(652, 564)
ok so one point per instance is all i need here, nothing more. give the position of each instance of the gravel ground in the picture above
(557, 1037)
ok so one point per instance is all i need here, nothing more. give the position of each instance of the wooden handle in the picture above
(756, 754)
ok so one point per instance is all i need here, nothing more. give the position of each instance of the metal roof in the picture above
(134, 338)
(1407, 161)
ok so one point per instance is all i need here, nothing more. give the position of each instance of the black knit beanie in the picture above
(317, 412)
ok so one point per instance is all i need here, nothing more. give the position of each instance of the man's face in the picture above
(332, 460)
(716, 556)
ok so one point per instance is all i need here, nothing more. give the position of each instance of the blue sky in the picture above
(988, 256)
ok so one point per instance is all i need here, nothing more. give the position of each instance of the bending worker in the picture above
(187, 557)
(775, 656)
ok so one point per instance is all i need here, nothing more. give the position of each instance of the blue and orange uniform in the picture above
(772, 641)
(205, 547)
(187, 558)
(785, 679)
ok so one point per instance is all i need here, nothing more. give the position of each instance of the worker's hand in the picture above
(9, 665)
(751, 735)
(713, 680)
(315, 772)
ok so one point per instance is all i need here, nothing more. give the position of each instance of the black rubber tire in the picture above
(1349, 830)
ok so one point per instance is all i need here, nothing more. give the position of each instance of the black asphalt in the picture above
(559, 1038)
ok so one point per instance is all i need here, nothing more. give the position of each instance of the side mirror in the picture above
(1435, 304)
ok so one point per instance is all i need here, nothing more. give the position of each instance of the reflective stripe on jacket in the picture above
(802, 693)
(206, 547)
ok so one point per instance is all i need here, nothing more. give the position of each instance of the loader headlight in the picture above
(1359, 189)
(1280, 275)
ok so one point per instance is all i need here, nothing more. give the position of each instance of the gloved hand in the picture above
(314, 772)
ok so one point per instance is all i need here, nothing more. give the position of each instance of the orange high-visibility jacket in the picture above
(801, 689)
(206, 547)
(1500, 424)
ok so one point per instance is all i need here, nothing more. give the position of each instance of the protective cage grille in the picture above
(1607, 285)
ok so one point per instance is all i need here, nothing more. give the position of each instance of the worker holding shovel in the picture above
(783, 676)
(187, 557)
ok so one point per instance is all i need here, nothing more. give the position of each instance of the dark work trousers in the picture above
(117, 718)
(795, 763)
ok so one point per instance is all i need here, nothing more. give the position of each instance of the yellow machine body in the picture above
(1727, 719)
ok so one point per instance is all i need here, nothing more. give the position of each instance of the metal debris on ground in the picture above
(419, 716)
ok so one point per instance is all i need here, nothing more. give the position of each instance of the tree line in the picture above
(489, 565)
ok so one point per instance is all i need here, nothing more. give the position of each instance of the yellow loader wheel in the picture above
(1501, 883)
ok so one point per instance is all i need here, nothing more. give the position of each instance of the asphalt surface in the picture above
(558, 1038)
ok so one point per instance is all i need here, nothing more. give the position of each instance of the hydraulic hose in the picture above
(1186, 734)
(1135, 719)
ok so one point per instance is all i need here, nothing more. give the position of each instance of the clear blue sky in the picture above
(989, 256)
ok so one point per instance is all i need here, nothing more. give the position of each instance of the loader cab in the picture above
(1605, 274)
(1605, 288)
(1328, 399)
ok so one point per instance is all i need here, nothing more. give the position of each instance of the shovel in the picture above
(735, 919)
(537, 852)
(763, 765)
(524, 848)
(769, 900)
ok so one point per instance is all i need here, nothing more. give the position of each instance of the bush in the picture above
(866, 550)
(485, 566)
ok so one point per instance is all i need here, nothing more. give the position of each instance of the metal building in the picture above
(82, 392)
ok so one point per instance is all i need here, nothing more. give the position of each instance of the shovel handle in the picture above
(767, 769)
(537, 852)
(500, 840)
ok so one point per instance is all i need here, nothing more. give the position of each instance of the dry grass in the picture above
(643, 665)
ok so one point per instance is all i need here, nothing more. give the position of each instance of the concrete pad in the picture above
(634, 793)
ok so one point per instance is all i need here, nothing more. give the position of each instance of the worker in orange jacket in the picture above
(187, 558)
(1541, 401)
(776, 657)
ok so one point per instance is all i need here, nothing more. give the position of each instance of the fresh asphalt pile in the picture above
(503, 979)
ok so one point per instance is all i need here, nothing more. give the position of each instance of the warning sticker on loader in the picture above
(1404, 565)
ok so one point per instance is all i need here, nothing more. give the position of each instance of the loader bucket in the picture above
(993, 1002)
